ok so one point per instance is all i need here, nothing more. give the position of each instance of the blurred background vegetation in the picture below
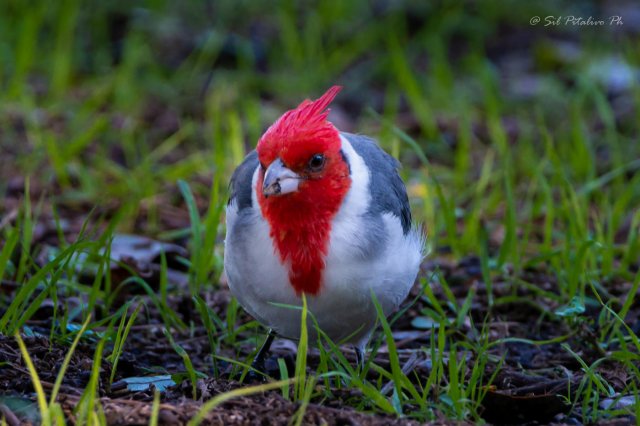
(509, 131)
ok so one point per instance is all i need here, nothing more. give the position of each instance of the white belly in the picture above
(343, 308)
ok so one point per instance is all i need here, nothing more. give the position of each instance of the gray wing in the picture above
(389, 194)
(240, 184)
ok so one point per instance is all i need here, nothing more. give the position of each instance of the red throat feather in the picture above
(300, 222)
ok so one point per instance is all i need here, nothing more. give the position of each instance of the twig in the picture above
(411, 363)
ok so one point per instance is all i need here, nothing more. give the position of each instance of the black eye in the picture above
(316, 163)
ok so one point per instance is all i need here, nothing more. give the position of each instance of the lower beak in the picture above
(279, 180)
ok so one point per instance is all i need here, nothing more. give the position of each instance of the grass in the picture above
(139, 132)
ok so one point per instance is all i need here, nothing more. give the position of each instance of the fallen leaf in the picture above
(141, 384)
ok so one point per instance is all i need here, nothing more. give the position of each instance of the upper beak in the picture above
(279, 180)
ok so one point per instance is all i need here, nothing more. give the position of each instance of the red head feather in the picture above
(304, 127)
(300, 222)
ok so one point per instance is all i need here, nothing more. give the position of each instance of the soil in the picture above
(530, 385)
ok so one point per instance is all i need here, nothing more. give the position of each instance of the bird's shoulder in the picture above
(388, 192)
(241, 180)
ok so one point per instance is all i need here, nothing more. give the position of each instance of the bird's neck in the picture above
(300, 227)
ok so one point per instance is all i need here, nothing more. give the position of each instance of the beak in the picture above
(279, 180)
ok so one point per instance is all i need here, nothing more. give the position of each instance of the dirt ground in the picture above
(530, 387)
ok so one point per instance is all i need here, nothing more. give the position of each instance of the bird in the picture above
(323, 214)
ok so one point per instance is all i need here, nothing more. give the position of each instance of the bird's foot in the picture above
(257, 373)
(258, 370)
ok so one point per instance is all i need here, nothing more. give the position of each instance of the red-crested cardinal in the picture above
(320, 212)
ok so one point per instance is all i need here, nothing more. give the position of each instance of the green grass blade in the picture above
(37, 385)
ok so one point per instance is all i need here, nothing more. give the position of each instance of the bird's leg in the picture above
(359, 359)
(258, 360)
